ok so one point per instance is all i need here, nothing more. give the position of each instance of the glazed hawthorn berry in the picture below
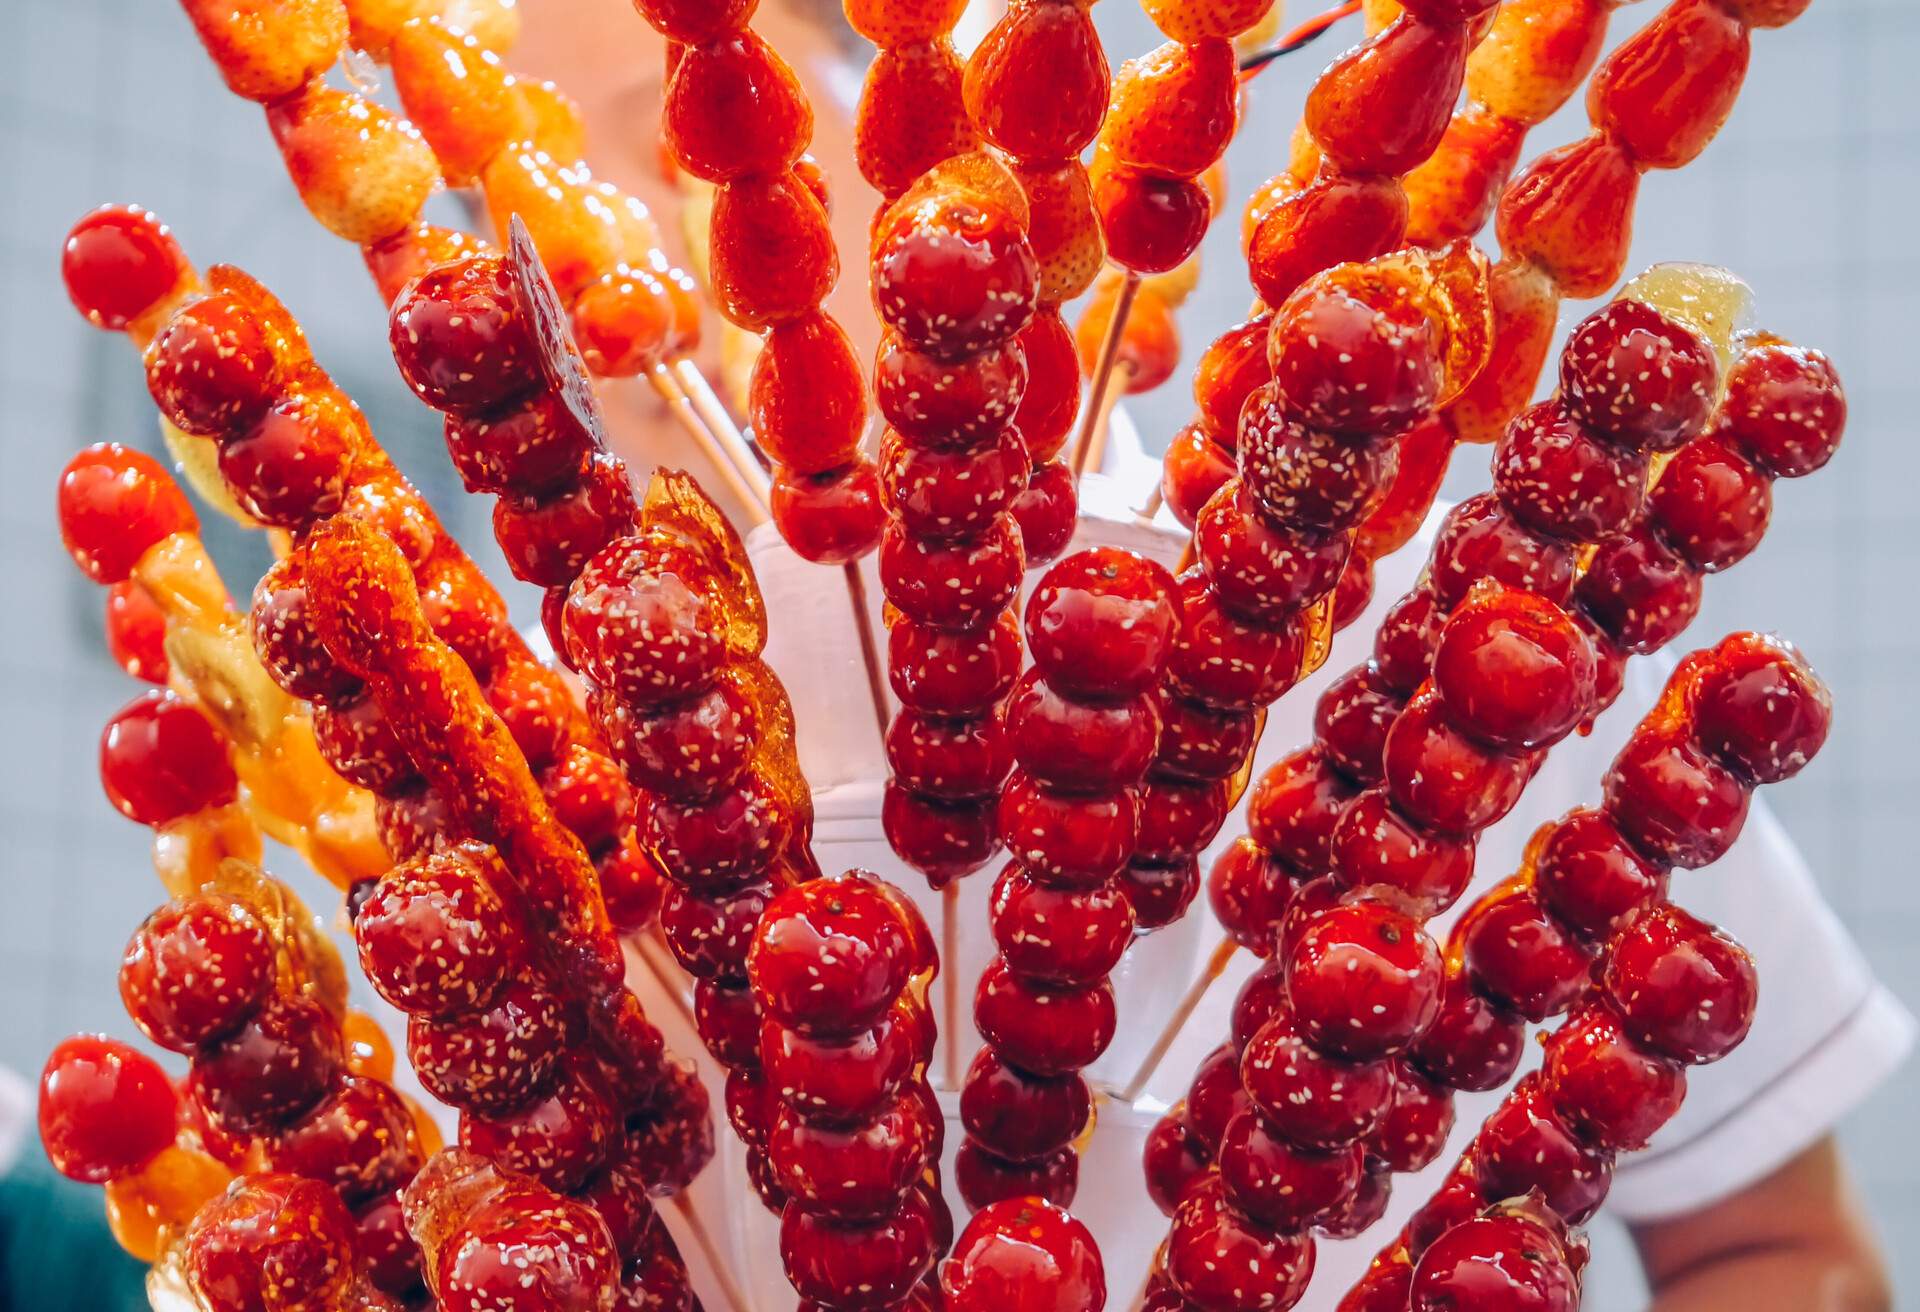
(1591, 877)
(362, 746)
(1065, 936)
(210, 369)
(1066, 839)
(1611, 1093)
(1230, 370)
(1045, 1031)
(1316, 1100)
(273, 1068)
(1519, 954)
(1759, 708)
(1279, 1184)
(1639, 591)
(1672, 800)
(718, 844)
(852, 1172)
(1364, 980)
(1047, 511)
(1217, 1258)
(1345, 365)
(947, 404)
(560, 1140)
(1051, 400)
(1480, 539)
(1514, 671)
(1495, 1262)
(106, 1109)
(1558, 478)
(830, 518)
(1375, 845)
(1024, 1255)
(623, 323)
(1226, 662)
(1309, 477)
(529, 446)
(1633, 374)
(830, 956)
(954, 586)
(1022, 1117)
(1784, 408)
(119, 263)
(710, 936)
(953, 277)
(1415, 1130)
(360, 1140)
(638, 622)
(1259, 569)
(460, 338)
(435, 938)
(1192, 473)
(1472, 1043)
(549, 541)
(953, 672)
(1174, 1161)
(1681, 987)
(274, 1232)
(861, 1264)
(691, 748)
(196, 970)
(590, 795)
(1403, 645)
(1153, 224)
(291, 467)
(493, 1061)
(526, 1251)
(1445, 780)
(161, 759)
(281, 624)
(1525, 1146)
(115, 504)
(1247, 891)
(838, 1081)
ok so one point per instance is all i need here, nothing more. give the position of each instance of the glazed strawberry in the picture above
(1024, 1255)
(808, 397)
(136, 632)
(734, 109)
(195, 970)
(105, 1109)
(162, 760)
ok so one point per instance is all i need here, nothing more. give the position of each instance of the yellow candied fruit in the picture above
(160, 1198)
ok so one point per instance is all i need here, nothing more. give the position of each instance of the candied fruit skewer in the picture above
(912, 113)
(1082, 726)
(288, 447)
(1647, 989)
(736, 115)
(126, 524)
(851, 1131)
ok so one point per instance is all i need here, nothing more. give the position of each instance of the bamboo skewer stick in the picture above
(706, 403)
(1216, 967)
(667, 384)
(950, 983)
(1102, 380)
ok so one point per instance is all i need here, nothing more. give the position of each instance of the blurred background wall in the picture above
(1810, 193)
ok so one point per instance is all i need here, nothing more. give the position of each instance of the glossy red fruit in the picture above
(281, 624)
(1309, 478)
(1590, 877)
(1364, 980)
(119, 263)
(1070, 840)
(161, 759)
(1351, 720)
(1047, 510)
(1079, 746)
(1214, 1097)
(957, 586)
(1759, 707)
(807, 400)
(136, 632)
(1639, 591)
(688, 749)
(1042, 1030)
(1018, 1116)
(1293, 809)
(831, 518)
(115, 504)
(1262, 997)
(1479, 540)
(1415, 1130)
(1610, 1092)
(1343, 364)
(1226, 662)
(1403, 645)
(942, 840)
(381, 1241)
(1051, 403)
(529, 1251)
(1152, 224)
(1199, 743)
(984, 1179)
(211, 369)
(954, 278)
(1443, 779)
(271, 1070)
(1219, 1259)
(866, 1265)
(710, 936)
(278, 1233)
(948, 493)
(436, 937)
(639, 622)
(830, 956)
(1784, 408)
(1633, 374)
(1247, 891)
(460, 338)
(1675, 803)
(1193, 471)
(1473, 1043)
(360, 1140)
(195, 970)
(1260, 569)
(106, 1109)
(838, 1081)
(852, 1172)
(1174, 1161)
(1375, 845)
(1024, 1255)
(1276, 1183)
(1514, 671)
(953, 672)
(534, 445)
(495, 1061)
(1526, 1146)
(1072, 937)
(549, 541)
(1711, 504)
(1518, 954)
(734, 109)
(1681, 987)
(1558, 478)
(1317, 1101)
(1495, 1262)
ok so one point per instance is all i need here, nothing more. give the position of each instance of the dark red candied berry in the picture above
(1046, 1031)
(1640, 592)
(106, 1109)
(1274, 1182)
(944, 841)
(1351, 720)
(1514, 671)
(1784, 409)
(1193, 472)
(272, 1232)
(852, 1172)
(1454, 1203)
(1559, 478)
(1374, 845)
(946, 757)
(1178, 819)
(560, 1140)
(1403, 645)
(1350, 366)
(589, 794)
(161, 759)
(1681, 987)
(1230, 370)
(1066, 936)
(954, 277)
(210, 369)
(1759, 707)
(1160, 891)
(535, 445)
(460, 338)
(1525, 1146)
(1516, 952)
(1247, 891)
(1198, 742)
(1495, 1262)
(710, 936)
(1309, 478)
(550, 541)
(1294, 807)
(1019, 1116)
(1473, 1043)
(1315, 1100)
(1710, 505)
(1227, 662)
(1174, 1161)
(495, 1061)
(1590, 877)
(952, 586)
(1609, 661)
(937, 403)
(830, 956)
(1480, 540)
(1152, 224)
(953, 672)
(436, 937)
(195, 970)
(528, 1250)
(360, 1140)
(119, 263)
(1357, 1213)
(464, 612)
(1024, 1255)
(116, 504)
(1072, 840)
(1632, 374)
(360, 743)
(272, 1069)
(830, 518)
(1263, 994)
(1047, 511)
(1076, 745)
(672, 1141)
(1100, 623)
(640, 622)
(984, 1179)
(1442, 779)
(1671, 800)
(291, 467)
(535, 707)
(951, 493)
(728, 1020)
(1610, 1092)
(381, 1241)
(1215, 1096)
(1415, 1129)
(688, 749)
(1258, 569)
(136, 632)
(863, 1265)
(1363, 980)
(1216, 1257)
(838, 1081)
(281, 623)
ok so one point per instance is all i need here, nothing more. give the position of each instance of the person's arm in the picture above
(1795, 1241)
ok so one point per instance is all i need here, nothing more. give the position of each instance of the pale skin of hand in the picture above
(1795, 1241)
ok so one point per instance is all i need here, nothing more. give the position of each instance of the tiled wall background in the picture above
(1810, 193)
